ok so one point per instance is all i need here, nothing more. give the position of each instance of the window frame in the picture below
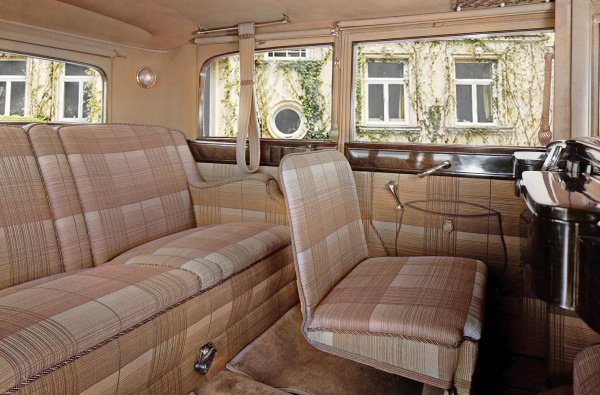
(386, 82)
(9, 79)
(303, 54)
(474, 83)
(81, 80)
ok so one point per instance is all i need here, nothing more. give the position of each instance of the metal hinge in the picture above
(206, 354)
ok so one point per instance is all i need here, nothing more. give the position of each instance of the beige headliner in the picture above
(165, 24)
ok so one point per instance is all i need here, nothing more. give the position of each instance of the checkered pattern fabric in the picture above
(586, 375)
(419, 317)
(211, 252)
(131, 184)
(62, 196)
(133, 327)
(251, 198)
(28, 248)
(324, 220)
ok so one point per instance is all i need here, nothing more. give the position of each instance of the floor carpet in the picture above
(283, 359)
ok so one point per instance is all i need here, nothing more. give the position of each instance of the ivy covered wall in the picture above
(303, 84)
(518, 86)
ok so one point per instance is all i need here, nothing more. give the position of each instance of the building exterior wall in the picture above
(44, 92)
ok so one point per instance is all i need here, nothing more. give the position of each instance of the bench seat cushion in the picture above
(213, 252)
(56, 318)
(53, 321)
(404, 315)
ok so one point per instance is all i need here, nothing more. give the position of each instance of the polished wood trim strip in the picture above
(222, 150)
(467, 161)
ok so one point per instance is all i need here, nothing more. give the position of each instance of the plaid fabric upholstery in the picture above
(250, 198)
(101, 354)
(419, 317)
(28, 248)
(189, 163)
(586, 375)
(214, 252)
(131, 184)
(405, 315)
(49, 320)
(324, 220)
(431, 299)
(62, 196)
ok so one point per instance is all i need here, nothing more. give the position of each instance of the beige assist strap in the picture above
(247, 120)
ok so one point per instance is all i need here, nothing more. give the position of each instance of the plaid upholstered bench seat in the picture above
(586, 374)
(112, 277)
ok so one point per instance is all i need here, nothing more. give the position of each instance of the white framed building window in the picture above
(287, 54)
(12, 87)
(474, 93)
(386, 95)
(75, 93)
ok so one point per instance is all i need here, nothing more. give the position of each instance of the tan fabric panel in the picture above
(28, 247)
(251, 198)
(189, 163)
(431, 299)
(586, 376)
(62, 196)
(131, 184)
(325, 222)
(158, 356)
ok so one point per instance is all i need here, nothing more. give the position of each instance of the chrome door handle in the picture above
(444, 165)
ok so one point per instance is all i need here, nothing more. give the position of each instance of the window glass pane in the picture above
(484, 104)
(73, 69)
(287, 121)
(473, 70)
(41, 90)
(396, 102)
(464, 103)
(490, 76)
(13, 67)
(382, 69)
(376, 102)
(17, 98)
(71, 100)
(297, 79)
(2, 96)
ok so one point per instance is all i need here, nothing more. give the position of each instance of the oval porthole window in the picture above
(287, 122)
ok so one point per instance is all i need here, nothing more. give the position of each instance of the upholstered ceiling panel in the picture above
(163, 24)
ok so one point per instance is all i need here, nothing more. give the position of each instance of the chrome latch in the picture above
(206, 354)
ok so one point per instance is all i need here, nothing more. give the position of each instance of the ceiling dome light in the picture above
(145, 77)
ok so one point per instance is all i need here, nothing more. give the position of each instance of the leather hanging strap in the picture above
(248, 128)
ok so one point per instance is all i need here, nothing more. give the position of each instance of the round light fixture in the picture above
(287, 121)
(145, 77)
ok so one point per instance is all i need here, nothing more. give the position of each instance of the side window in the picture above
(478, 89)
(293, 94)
(474, 93)
(41, 90)
(12, 87)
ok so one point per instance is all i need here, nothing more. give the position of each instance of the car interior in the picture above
(310, 198)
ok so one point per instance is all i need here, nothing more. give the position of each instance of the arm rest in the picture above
(249, 198)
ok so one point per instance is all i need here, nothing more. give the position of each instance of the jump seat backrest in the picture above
(108, 286)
